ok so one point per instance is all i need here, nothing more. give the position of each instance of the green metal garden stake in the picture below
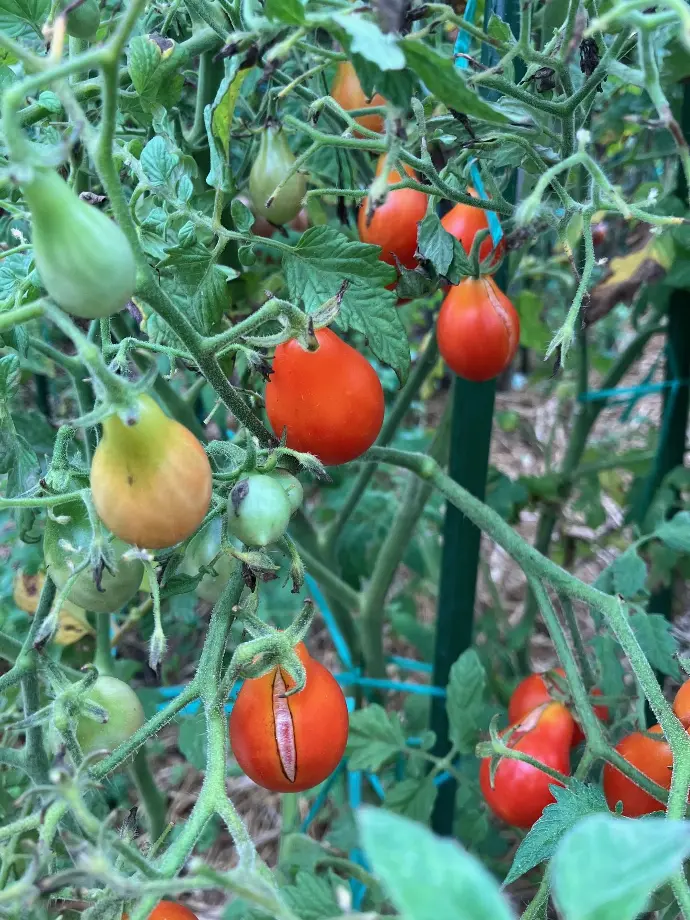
(473, 406)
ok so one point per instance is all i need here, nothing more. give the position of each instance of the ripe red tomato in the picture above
(521, 792)
(169, 910)
(464, 222)
(652, 757)
(539, 688)
(393, 226)
(150, 480)
(329, 400)
(478, 329)
(348, 93)
(681, 704)
(289, 744)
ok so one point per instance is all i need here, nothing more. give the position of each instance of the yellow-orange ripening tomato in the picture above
(478, 329)
(289, 744)
(329, 400)
(151, 479)
(348, 93)
(393, 226)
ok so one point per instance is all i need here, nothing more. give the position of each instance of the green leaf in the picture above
(435, 243)
(534, 333)
(445, 82)
(465, 700)
(25, 472)
(19, 18)
(676, 532)
(218, 120)
(289, 11)
(407, 626)
(367, 40)
(315, 270)
(211, 299)
(572, 804)
(654, 633)
(311, 897)
(9, 378)
(629, 574)
(158, 162)
(413, 798)
(153, 66)
(375, 737)
(607, 868)
(192, 740)
(611, 680)
(500, 30)
(427, 877)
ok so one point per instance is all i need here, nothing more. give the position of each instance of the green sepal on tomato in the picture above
(272, 164)
(290, 743)
(329, 401)
(104, 588)
(125, 716)
(520, 792)
(150, 478)
(83, 258)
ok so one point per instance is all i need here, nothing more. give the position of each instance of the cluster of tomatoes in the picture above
(478, 328)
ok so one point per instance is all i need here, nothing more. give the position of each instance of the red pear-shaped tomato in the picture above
(288, 744)
(151, 479)
(652, 756)
(521, 792)
(393, 226)
(329, 400)
(348, 93)
(464, 222)
(478, 329)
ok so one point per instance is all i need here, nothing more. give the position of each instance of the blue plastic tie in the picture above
(462, 44)
(330, 621)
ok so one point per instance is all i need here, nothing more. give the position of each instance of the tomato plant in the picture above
(520, 792)
(393, 225)
(84, 20)
(63, 230)
(100, 588)
(150, 478)
(201, 550)
(348, 93)
(125, 716)
(652, 756)
(259, 510)
(464, 222)
(478, 329)
(329, 400)
(289, 744)
(537, 689)
(271, 168)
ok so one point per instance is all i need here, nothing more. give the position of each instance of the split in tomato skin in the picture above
(330, 400)
(289, 744)
(478, 329)
(151, 479)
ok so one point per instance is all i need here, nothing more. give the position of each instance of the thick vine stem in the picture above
(533, 563)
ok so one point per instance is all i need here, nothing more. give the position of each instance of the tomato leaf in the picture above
(625, 576)
(315, 270)
(375, 737)
(571, 804)
(192, 740)
(427, 877)
(444, 81)
(311, 897)
(435, 244)
(465, 701)
(289, 11)
(158, 162)
(413, 798)
(367, 39)
(653, 632)
(606, 868)
(22, 17)
(676, 532)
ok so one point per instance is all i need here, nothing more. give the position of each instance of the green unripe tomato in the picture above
(83, 22)
(117, 588)
(293, 488)
(84, 259)
(201, 550)
(258, 510)
(270, 167)
(125, 716)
